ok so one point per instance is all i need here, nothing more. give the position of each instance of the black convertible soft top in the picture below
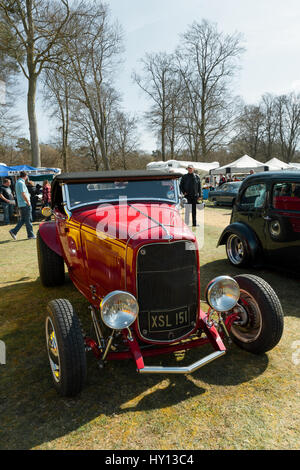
(113, 175)
(117, 175)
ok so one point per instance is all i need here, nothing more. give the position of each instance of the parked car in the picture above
(128, 251)
(225, 194)
(265, 222)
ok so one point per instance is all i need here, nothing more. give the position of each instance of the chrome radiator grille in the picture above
(167, 290)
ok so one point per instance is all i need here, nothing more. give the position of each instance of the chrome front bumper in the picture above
(182, 370)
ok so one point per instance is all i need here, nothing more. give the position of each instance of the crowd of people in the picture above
(24, 196)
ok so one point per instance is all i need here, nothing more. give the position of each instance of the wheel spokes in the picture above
(251, 328)
(53, 351)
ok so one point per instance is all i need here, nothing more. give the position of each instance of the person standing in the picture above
(7, 200)
(190, 186)
(46, 197)
(33, 198)
(222, 180)
(23, 200)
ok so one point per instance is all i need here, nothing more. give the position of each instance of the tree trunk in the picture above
(34, 140)
(65, 157)
(163, 154)
(99, 135)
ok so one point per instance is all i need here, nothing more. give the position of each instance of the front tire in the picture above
(261, 316)
(66, 349)
(51, 265)
(237, 250)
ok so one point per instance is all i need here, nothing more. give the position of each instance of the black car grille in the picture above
(167, 290)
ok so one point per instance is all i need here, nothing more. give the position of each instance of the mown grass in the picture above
(240, 401)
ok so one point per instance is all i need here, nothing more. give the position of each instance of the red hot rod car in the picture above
(127, 250)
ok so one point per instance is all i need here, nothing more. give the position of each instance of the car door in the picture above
(283, 224)
(222, 192)
(251, 209)
(69, 234)
(226, 199)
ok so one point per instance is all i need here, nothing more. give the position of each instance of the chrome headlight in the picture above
(119, 310)
(222, 293)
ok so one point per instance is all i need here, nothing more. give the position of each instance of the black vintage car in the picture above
(225, 194)
(265, 222)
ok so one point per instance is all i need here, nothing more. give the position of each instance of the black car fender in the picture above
(244, 231)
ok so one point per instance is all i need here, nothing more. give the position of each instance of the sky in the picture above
(271, 37)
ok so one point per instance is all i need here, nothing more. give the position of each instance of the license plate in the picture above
(168, 320)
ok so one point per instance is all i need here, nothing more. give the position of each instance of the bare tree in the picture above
(288, 109)
(92, 54)
(159, 83)
(208, 60)
(36, 26)
(9, 127)
(189, 128)
(57, 94)
(124, 137)
(250, 130)
(268, 108)
(84, 136)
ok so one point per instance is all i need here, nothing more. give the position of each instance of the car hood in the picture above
(134, 221)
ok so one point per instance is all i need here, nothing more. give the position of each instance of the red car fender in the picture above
(49, 235)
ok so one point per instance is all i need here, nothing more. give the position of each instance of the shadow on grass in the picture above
(220, 208)
(31, 411)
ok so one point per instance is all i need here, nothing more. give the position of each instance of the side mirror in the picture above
(47, 212)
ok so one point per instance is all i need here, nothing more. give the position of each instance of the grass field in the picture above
(240, 401)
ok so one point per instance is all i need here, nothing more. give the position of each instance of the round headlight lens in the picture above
(222, 293)
(119, 310)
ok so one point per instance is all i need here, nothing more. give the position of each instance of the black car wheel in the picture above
(66, 349)
(261, 318)
(51, 265)
(236, 250)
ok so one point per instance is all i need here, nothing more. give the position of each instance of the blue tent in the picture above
(4, 171)
(7, 170)
(15, 170)
(22, 168)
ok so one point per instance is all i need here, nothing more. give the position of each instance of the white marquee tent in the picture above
(242, 165)
(294, 166)
(276, 164)
(179, 166)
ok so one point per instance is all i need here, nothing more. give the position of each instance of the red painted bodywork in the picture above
(49, 234)
(100, 262)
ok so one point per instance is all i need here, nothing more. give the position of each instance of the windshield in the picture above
(88, 193)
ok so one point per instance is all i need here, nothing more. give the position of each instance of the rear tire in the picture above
(51, 265)
(237, 250)
(261, 313)
(66, 349)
